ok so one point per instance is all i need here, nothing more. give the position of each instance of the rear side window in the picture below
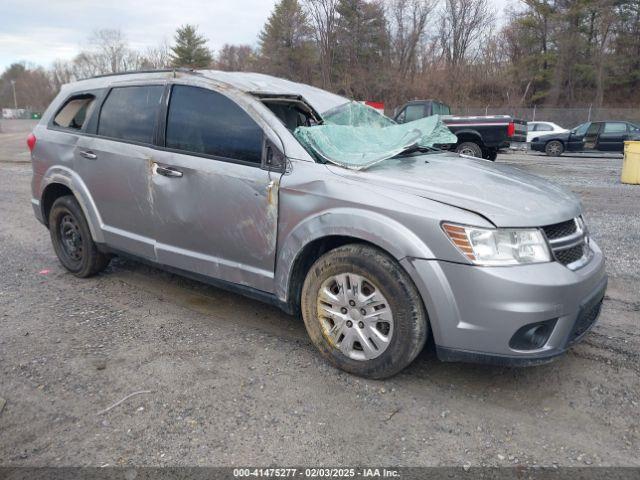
(129, 113)
(203, 121)
(74, 113)
(615, 127)
(544, 127)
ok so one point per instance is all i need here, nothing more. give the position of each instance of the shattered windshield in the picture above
(357, 136)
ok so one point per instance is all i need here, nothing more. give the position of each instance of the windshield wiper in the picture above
(421, 149)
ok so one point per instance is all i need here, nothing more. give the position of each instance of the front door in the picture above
(215, 208)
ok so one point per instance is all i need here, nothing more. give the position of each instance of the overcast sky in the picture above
(41, 31)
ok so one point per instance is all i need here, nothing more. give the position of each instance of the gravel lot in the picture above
(235, 382)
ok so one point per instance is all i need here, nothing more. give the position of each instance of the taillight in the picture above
(31, 141)
(511, 129)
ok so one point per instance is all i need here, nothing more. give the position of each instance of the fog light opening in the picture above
(532, 336)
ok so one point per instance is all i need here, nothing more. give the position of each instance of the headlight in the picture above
(501, 246)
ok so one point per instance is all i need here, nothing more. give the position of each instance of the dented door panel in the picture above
(118, 180)
(218, 219)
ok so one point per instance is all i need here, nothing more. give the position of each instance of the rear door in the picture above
(115, 164)
(215, 208)
(612, 137)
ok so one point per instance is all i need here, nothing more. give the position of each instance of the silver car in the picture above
(201, 173)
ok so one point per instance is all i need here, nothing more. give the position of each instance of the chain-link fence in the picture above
(565, 117)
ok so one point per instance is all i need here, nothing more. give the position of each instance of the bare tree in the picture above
(110, 50)
(236, 58)
(462, 24)
(408, 20)
(323, 15)
(158, 57)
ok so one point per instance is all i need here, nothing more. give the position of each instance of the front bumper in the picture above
(475, 311)
(537, 146)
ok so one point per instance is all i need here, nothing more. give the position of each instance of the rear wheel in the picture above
(470, 149)
(490, 154)
(554, 148)
(72, 239)
(363, 312)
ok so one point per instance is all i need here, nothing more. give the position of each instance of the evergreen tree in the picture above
(363, 47)
(285, 42)
(190, 49)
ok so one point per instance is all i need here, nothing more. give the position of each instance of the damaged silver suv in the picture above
(296, 196)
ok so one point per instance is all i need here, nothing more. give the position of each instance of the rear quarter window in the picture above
(74, 112)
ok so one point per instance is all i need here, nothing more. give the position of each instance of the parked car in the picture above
(478, 136)
(200, 173)
(606, 136)
(535, 129)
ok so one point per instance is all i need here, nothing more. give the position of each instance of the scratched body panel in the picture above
(219, 219)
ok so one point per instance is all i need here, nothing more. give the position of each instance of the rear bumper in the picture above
(37, 211)
(475, 311)
(537, 146)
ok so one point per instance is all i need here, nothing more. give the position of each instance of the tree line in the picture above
(545, 52)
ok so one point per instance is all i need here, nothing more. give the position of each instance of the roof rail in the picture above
(159, 70)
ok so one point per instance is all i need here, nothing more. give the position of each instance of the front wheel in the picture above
(363, 312)
(554, 148)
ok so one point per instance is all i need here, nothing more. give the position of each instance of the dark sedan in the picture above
(588, 137)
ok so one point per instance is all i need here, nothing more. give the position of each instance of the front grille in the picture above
(570, 255)
(585, 320)
(559, 230)
(569, 242)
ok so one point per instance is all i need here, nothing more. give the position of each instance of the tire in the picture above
(554, 148)
(401, 326)
(471, 149)
(72, 241)
(490, 154)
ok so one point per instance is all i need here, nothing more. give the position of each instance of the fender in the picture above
(67, 177)
(469, 132)
(375, 228)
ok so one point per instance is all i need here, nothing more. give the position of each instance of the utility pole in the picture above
(15, 99)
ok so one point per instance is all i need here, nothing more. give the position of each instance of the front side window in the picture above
(593, 129)
(74, 113)
(203, 121)
(581, 129)
(413, 112)
(129, 113)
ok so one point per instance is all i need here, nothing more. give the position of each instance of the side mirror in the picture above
(272, 159)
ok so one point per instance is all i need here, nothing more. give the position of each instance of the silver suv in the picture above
(201, 173)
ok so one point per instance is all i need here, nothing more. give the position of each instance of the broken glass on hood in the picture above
(357, 136)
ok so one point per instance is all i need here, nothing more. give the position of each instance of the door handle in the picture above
(88, 154)
(167, 171)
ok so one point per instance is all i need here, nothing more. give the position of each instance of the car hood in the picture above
(563, 136)
(506, 196)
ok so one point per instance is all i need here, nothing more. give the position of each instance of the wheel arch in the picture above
(469, 135)
(59, 181)
(328, 230)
